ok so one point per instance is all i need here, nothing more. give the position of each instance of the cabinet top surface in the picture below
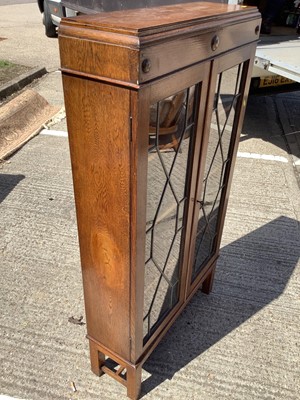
(141, 21)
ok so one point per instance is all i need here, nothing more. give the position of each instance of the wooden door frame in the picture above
(244, 55)
(140, 101)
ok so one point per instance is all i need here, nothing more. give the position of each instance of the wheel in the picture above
(50, 28)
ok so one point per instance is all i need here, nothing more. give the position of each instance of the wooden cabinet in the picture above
(155, 100)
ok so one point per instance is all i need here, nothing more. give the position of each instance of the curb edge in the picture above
(21, 81)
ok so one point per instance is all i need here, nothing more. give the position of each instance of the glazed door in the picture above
(230, 80)
(173, 143)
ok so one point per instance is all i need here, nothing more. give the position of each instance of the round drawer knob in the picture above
(146, 65)
(215, 42)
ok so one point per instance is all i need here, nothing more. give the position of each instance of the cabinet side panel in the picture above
(98, 125)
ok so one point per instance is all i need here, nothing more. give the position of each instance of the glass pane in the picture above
(218, 156)
(171, 134)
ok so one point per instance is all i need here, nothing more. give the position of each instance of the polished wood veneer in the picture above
(155, 100)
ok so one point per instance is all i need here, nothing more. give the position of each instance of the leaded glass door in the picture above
(174, 134)
(171, 142)
(217, 156)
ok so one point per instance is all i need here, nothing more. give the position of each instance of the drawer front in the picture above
(176, 54)
(139, 60)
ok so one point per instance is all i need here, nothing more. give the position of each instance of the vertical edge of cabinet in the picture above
(98, 126)
(139, 165)
(193, 204)
(199, 172)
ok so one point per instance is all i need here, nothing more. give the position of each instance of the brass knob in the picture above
(146, 65)
(215, 42)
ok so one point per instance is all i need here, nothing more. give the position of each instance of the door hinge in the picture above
(130, 128)
(130, 344)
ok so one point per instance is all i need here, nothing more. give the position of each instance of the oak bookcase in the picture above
(155, 100)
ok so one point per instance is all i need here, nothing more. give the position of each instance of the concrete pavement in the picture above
(240, 342)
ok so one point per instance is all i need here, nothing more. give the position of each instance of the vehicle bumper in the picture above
(57, 11)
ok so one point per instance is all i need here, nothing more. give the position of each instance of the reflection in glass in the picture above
(218, 156)
(171, 132)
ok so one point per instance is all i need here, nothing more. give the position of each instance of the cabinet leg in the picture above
(97, 359)
(208, 282)
(134, 382)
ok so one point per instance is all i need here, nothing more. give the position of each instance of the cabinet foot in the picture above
(208, 282)
(97, 359)
(134, 382)
(129, 375)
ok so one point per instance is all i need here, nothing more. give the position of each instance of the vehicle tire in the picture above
(50, 28)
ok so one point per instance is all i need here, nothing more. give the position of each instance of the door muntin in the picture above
(171, 143)
(228, 93)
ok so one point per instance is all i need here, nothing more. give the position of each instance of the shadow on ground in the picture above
(251, 273)
(275, 119)
(8, 183)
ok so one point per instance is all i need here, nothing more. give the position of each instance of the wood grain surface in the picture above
(161, 18)
(114, 46)
(98, 134)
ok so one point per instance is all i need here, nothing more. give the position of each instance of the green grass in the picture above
(5, 64)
